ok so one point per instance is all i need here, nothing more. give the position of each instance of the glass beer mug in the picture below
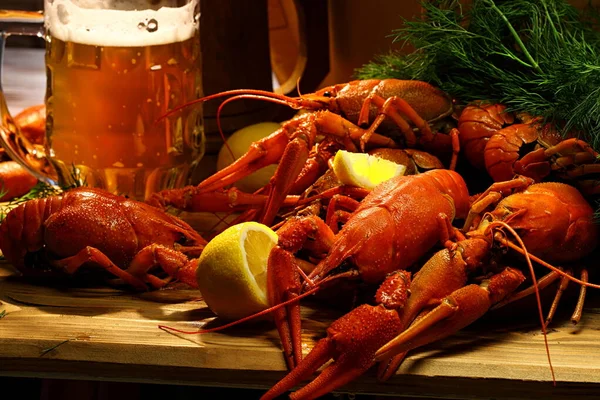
(114, 69)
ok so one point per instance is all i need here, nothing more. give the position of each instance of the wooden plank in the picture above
(104, 333)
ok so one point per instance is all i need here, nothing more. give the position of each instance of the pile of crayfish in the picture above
(438, 249)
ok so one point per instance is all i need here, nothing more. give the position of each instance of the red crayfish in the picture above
(90, 227)
(339, 113)
(496, 140)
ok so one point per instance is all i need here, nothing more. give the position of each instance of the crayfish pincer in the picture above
(90, 227)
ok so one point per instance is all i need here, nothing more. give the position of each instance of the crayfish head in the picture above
(323, 99)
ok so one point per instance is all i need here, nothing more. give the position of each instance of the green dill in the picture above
(536, 56)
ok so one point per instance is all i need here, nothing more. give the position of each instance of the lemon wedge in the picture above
(364, 170)
(232, 270)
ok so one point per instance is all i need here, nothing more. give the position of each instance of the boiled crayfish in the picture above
(90, 227)
(370, 240)
(339, 112)
(424, 205)
(505, 144)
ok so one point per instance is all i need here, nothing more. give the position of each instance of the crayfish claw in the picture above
(456, 311)
(319, 355)
(351, 341)
(388, 367)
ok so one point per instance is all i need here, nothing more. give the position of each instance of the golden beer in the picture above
(104, 108)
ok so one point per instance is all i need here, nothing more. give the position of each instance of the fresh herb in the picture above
(536, 56)
(2, 314)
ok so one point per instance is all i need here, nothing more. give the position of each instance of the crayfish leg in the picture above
(582, 291)
(335, 214)
(564, 283)
(173, 262)
(93, 255)
(389, 107)
(261, 153)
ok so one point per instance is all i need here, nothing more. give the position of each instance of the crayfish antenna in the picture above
(260, 94)
(528, 257)
(286, 101)
(314, 288)
(242, 320)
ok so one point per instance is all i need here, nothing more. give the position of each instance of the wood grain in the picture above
(105, 333)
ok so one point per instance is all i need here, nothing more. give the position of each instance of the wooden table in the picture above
(106, 334)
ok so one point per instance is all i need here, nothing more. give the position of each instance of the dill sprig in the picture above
(536, 56)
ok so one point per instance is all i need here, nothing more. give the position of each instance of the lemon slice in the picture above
(364, 170)
(232, 270)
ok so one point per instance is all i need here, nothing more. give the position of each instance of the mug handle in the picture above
(19, 148)
(312, 63)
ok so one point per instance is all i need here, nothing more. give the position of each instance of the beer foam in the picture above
(128, 23)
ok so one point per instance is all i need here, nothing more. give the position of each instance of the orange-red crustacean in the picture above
(496, 140)
(90, 227)
(441, 300)
(370, 240)
(340, 111)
